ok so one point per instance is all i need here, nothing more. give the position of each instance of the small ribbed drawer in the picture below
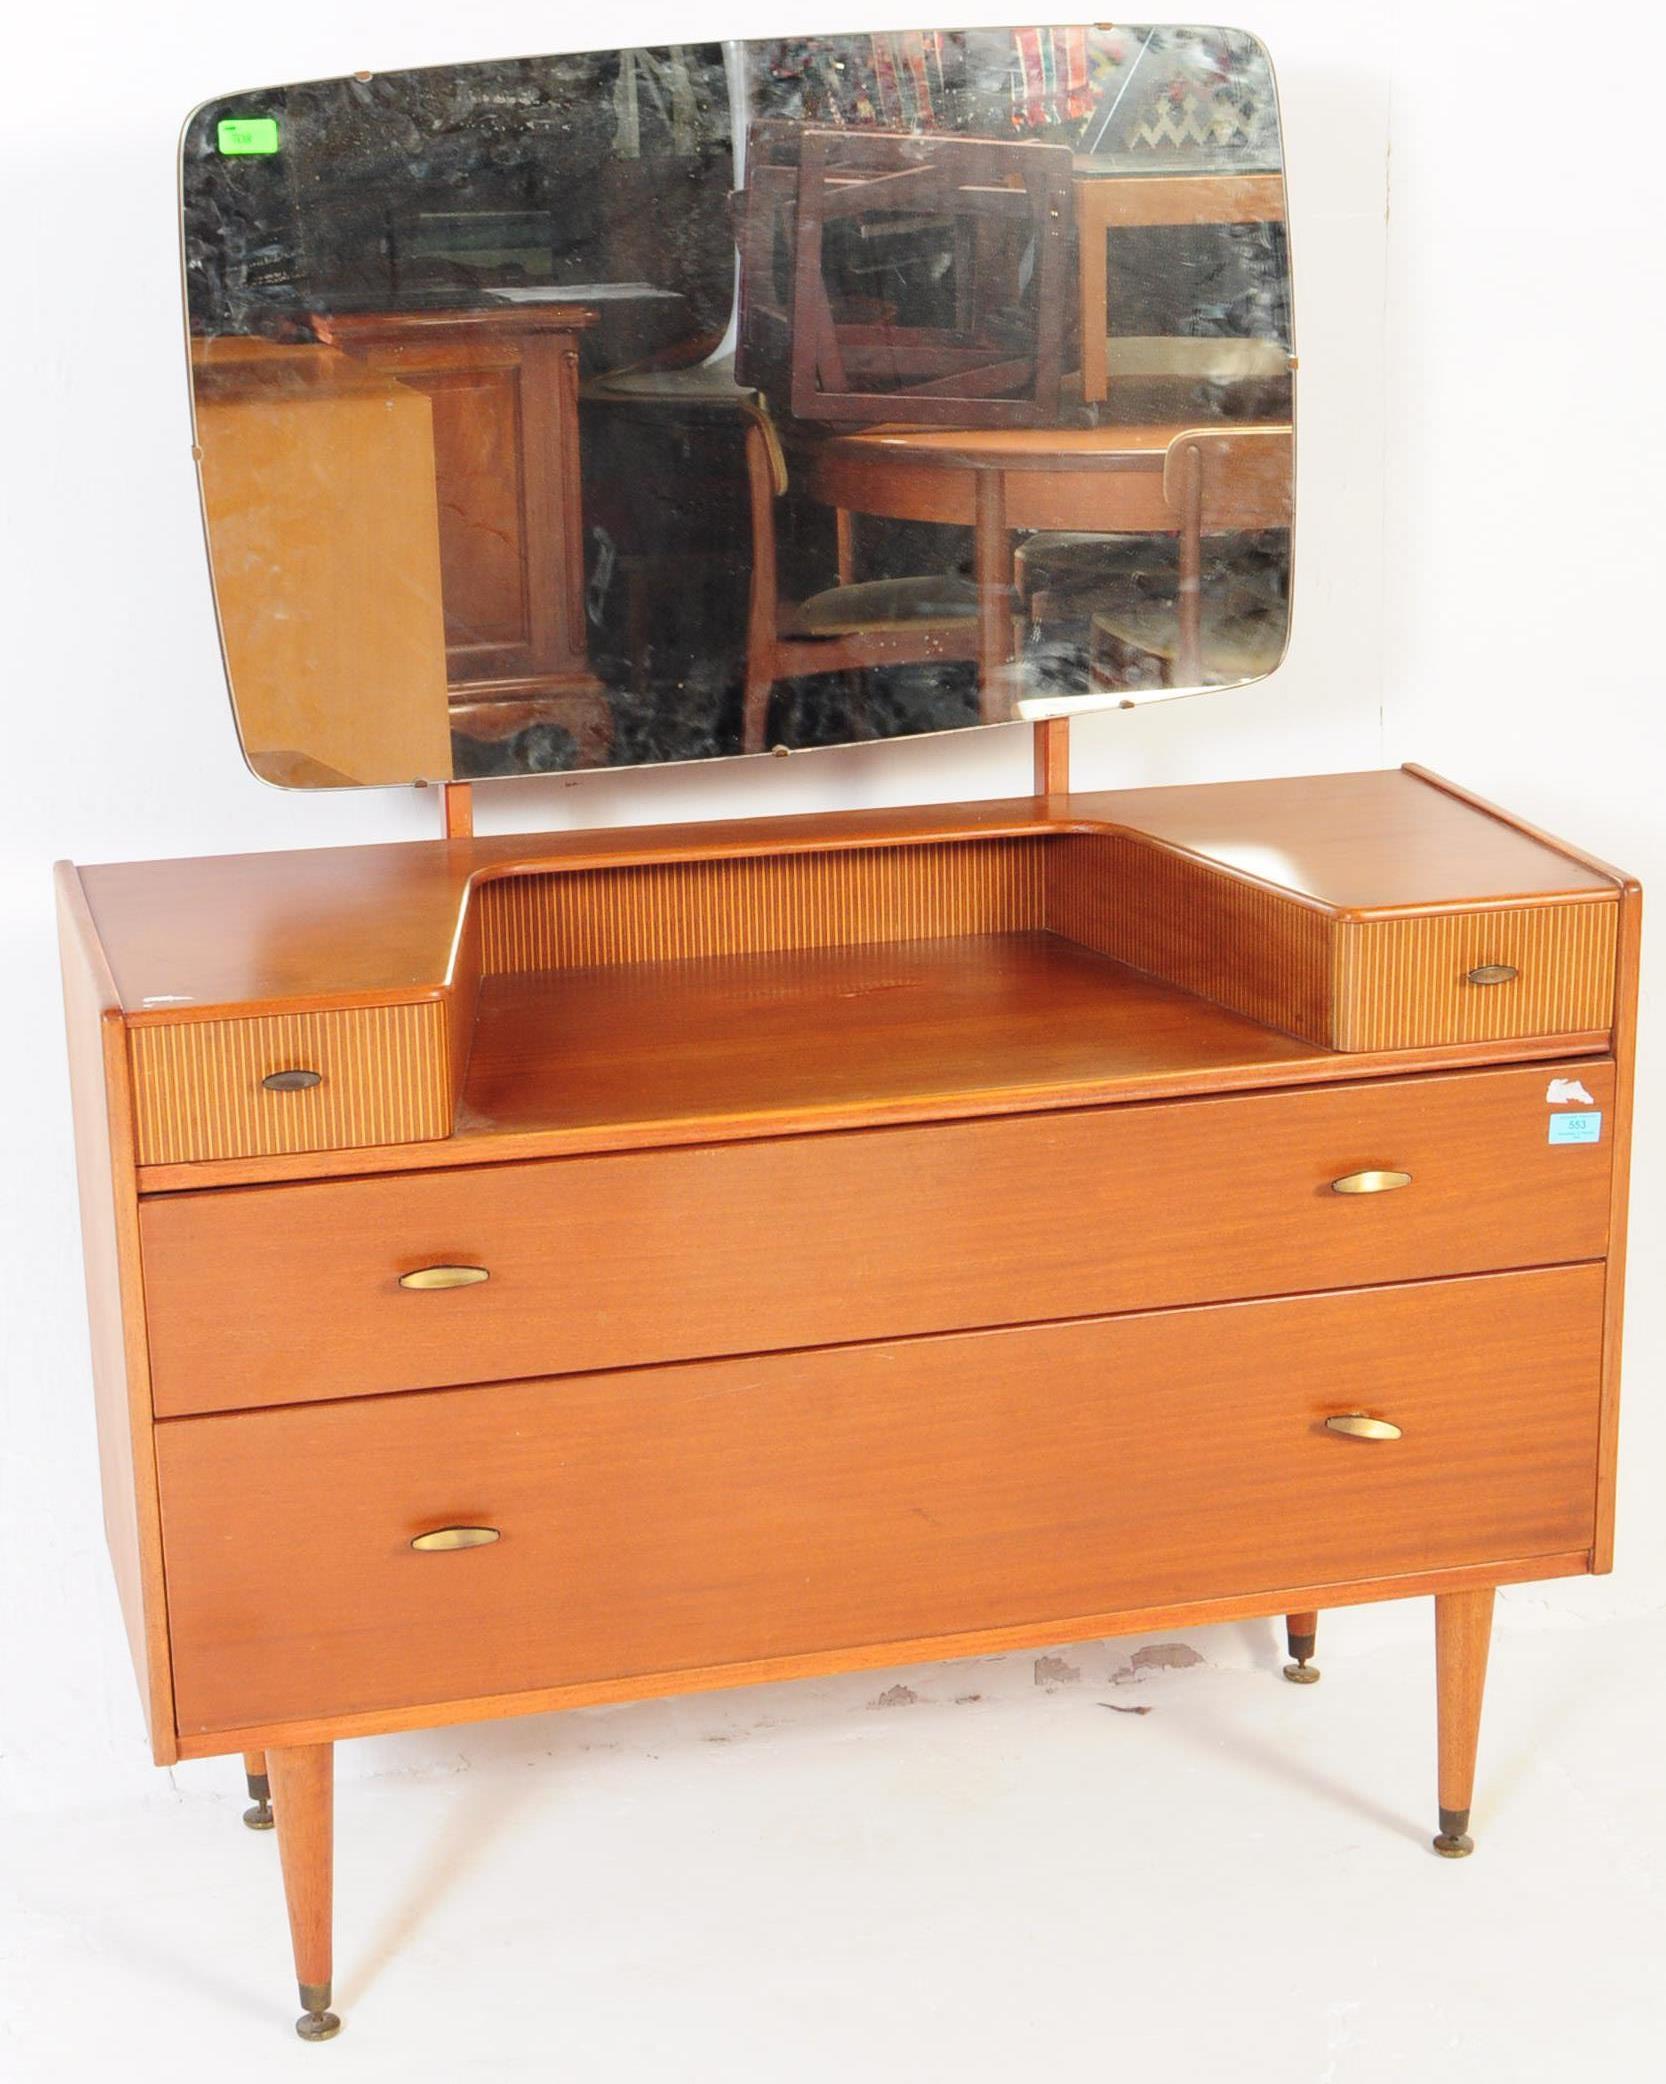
(383, 1076)
(1474, 976)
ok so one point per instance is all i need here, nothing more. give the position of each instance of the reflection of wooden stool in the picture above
(832, 354)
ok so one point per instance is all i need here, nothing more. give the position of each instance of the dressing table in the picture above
(546, 1269)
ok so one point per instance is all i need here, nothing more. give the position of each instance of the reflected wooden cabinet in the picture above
(503, 388)
(317, 479)
(543, 1270)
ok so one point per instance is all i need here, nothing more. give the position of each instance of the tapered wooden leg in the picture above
(303, 1793)
(1301, 1632)
(259, 1818)
(1463, 1632)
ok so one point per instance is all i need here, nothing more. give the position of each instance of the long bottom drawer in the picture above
(709, 1514)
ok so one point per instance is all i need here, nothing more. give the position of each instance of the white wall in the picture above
(1526, 429)
(1479, 424)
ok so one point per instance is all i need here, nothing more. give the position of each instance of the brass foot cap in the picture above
(1457, 1846)
(260, 1817)
(1302, 1674)
(318, 2026)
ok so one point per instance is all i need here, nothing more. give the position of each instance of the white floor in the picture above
(989, 1870)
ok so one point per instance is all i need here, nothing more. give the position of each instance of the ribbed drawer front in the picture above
(696, 1517)
(272, 1295)
(1405, 983)
(383, 1077)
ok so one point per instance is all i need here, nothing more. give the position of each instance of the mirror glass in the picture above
(665, 404)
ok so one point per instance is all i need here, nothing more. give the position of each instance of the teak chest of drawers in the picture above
(645, 1261)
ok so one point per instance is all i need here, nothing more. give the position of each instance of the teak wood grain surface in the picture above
(277, 1295)
(1387, 846)
(102, 1100)
(1000, 1017)
(732, 1510)
(247, 933)
(843, 1241)
(792, 1035)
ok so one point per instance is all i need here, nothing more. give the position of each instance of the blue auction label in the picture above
(1576, 1128)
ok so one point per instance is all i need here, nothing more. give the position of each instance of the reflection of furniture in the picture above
(1061, 576)
(659, 431)
(994, 360)
(503, 385)
(1100, 479)
(318, 501)
(522, 1323)
(1178, 377)
(849, 627)
(1108, 201)
(1215, 480)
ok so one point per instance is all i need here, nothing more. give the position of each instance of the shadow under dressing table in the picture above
(537, 1270)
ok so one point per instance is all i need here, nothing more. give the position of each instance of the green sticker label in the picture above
(244, 135)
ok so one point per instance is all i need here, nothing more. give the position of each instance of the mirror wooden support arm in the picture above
(1052, 757)
(457, 810)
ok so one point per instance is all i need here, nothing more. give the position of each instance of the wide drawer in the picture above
(282, 1295)
(277, 1295)
(715, 1514)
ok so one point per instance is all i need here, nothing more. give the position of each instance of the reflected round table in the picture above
(1100, 480)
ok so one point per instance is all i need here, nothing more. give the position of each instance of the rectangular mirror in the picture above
(647, 405)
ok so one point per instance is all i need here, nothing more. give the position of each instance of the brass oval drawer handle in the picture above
(1356, 1426)
(1370, 1182)
(291, 1081)
(1492, 973)
(443, 1539)
(444, 1277)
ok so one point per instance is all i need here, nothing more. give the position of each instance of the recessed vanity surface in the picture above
(982, 1022)
(578, 1266)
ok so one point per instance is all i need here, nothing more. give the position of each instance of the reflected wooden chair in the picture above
(1155, 380)
(1106, 201)
(1207, 631)
(852, 626)
(827, 354)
